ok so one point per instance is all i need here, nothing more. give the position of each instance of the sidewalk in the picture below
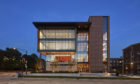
(8, 75)
(131, 76)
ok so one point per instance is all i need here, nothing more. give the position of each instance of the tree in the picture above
(2, 54)
(31, 61)
(40, 65)
(10, 59)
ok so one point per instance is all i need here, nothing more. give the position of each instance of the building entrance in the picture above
(83, 68)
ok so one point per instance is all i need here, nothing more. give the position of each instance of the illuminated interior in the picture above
(57, 39)
(104, 38)
(65, 48)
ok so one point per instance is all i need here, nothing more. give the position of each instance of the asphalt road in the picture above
(64, 81)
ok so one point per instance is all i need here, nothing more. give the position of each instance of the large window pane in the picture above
(57, 33)
(57, 39)
(104, 38)
(57, 45)
(82, 47)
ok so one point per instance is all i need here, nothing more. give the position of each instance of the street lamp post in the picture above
(131, 65)
(132, 61)
(26, 66)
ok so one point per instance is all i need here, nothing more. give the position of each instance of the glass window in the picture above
(104, 38)
(82, 47)
(57, 39)
(57, 33)
(60, 58)
(57, 45)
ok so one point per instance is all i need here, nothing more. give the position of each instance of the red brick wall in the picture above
(96, 44)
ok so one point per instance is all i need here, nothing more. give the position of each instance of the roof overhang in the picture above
(42, 25)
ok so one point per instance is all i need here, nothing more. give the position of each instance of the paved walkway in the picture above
(66, 81)
(8, 75)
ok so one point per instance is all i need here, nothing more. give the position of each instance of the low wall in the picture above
(54, 74)
(71, 74)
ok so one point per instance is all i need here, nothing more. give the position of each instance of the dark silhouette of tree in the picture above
(12, 59)
(31, 61)
(2, 54)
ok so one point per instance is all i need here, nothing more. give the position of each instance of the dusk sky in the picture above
(17, 30)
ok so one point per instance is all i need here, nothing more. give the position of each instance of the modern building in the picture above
(131, 56)
(116, 65)
(75, 46)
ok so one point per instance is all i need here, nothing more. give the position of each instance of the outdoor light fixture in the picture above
(24, 50)
(126, 68)
(14, 48)
(131, 63)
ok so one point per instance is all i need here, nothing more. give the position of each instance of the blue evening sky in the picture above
(17, 30)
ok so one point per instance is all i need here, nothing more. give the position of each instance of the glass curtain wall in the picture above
(82, 51)
(57, 39)
(82, 47)
(57, 33)
(52, 58)
(104, 38)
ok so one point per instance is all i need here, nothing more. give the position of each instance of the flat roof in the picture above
(38, 25)
(132, 45)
